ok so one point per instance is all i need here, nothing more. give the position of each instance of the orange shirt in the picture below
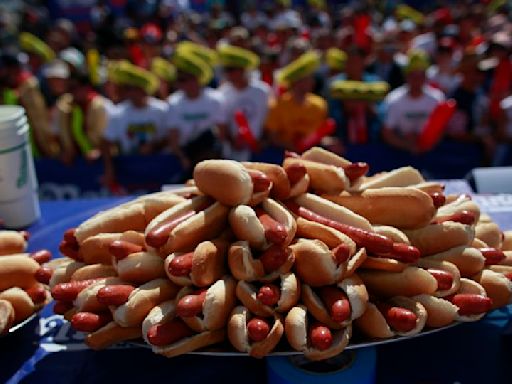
(290, 121)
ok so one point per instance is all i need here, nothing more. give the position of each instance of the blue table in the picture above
(469, 353)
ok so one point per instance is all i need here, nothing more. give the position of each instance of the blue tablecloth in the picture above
(468, 353)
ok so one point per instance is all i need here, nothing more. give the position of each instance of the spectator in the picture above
(56, 77)
(242, 93)
(503, 154)
(37, 50)
(470, 123)
(195, 111)
(384, 64)
(252, 18)
(297, 113)
(137, 125)
(441, 74)
(20, 87)
(81, 120)
(166, 73)
(408, 107)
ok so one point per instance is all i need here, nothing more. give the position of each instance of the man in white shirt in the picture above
(241, 92)
(195, 112)
(137, 125)
(408, 107)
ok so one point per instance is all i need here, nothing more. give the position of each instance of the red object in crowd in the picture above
(151, 33)
(436, 124)
(326, 129)
(361, 32)
(244, 131)
(500, 86)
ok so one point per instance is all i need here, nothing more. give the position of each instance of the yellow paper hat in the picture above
(417, 60)
(206, 54)
(163, 69)
(186, 61)
(335, 59)
(32, 44)
(359, 90)
(304, 66)
(232, 56)
(405, 12)
(125, 73)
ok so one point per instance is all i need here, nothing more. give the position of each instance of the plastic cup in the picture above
(19, 203)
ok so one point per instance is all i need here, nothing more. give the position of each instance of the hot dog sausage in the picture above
(42, 256)
(43, 275)
(444, 279)
(295, 173)
(320, 336)
(471, 304)
(403, 252)
(260, 181)
(273, 258)
(181, 265)
(114, 294)
(121, 249)
(257, 329)
(70, 250)
(37, 293)
(69, 237)
(160, 234)
(373, 242)
(356, 170)
(191, 305)
(275, 232)
(269, 294)
(341, 253)
(168, 333)
(400, 319)
(90, 322)
(336, 302)
(438, 199)
(69, 291)
(492, 255)
(61, 307)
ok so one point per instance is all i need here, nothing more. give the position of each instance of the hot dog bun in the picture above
(396, 235)
(111, 334)
(225, 180)
(22, 303)
(280, 183)
(17, 271)
(7, 316)
(140, 267)
(507, 241)
(497, 287)
(12, 242)
(489, 233)
(440, 312)
(95, 249)
(468, 260)
(471, 287)
(436, 238)
(323, 177)
(400, 177)
(93, 271)
(296, 329)
(406, 208)
(239, 338)
(446, 266)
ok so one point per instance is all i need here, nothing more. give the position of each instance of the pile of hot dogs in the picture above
(21, 295)
(296, 255)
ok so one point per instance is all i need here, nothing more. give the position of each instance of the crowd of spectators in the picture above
(159, 77)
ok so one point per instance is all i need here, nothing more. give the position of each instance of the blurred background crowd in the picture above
(249, 79)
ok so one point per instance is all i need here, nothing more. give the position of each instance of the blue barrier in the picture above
(143, 174)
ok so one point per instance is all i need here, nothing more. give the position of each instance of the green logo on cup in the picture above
(23, 172)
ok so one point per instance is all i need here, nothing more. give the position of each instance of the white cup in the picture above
(19, 204)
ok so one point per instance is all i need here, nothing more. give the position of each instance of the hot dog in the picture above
(182, 227)
(140, 267)
(264, 266)
(492, 255)
(298, 178)
(276, 174)
(169, 336)
(489, 232)
(69, 291)
(209, 309)
(133, 215)
(460, 204)
(87, 300)
(468, 260)
(436, 238)
(6, 316)
(100, 248)
(21, 301)
(17, 271)
(507, 241)
(63, 273)
(265, 299)
(94, 271)
(400, 315)
(497, 286)
(201, 268)
(410, 282)
(12, 242)
(42, 256)
(230, 182)
(440, 312)
(471, 301)
(254, 335)
(141, 300)
(267, 224)
(406, 208)
(314, 341)
(446, 274)
(336, 305)
(463, 217)
(400, 177)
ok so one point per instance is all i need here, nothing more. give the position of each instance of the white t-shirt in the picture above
(409, 115)
(132, 127)
(506, 105)
(253, 102)
(192, 117)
